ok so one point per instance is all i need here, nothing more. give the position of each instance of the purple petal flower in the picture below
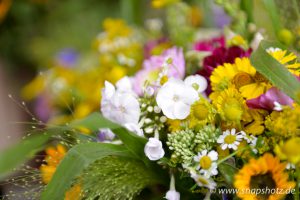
(269, 100)
(105, 135)
(42, 108)
(67, 57)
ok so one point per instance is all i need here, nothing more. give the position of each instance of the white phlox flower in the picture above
(175, 99)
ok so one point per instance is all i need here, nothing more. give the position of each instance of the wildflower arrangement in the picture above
(216, 118)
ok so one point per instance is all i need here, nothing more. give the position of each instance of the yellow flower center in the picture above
(200, 111)
(233, 110)
(230, 139)
(259, 77)
(205, 162)
(242, 79)
(163, 80)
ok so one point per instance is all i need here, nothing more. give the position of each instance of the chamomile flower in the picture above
(206, 162)
(203, 181)
(230, 139)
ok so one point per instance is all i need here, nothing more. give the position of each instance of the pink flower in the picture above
(153, 66)
(209, 45)
(271, 100)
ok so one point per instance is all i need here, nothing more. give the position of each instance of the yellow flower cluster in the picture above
(76, 92)
(286, 123)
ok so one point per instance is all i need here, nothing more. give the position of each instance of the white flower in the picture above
(277, 106)
(250, 140)
(172, 195)
(230, 139)
(199, 83)
(203, 181)
(153, 149)
(134, 128)
(175, 99)
(120, 104)
(258, 37)
(290, 166)
(206, 162)
(273, 49)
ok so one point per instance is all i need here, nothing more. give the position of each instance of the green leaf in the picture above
(93, 122)
(275, 72)
(117, 178)
(228, 171)
(132, 141)
(18, 154)
(75, 161)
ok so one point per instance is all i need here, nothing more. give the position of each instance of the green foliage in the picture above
(228, 171)
(95, 121)
(76, 160)
(116, 178)
(275, 72)
(18, 154)
(272, 11)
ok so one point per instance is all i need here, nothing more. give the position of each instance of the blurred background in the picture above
(55, 55)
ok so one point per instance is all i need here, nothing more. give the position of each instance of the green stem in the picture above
(231, 155)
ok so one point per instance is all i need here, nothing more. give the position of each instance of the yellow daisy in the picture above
(242, 75)
(230, 105)
(289, 60)
(201, 113)
(265, 172)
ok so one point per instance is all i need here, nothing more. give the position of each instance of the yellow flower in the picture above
(162, 3)
(201, 113)
(34, 88)
(174, 125)
(289, 150)
(254, 120)
(286, 123)
(265, 172)
(53, 157)
(289, 60)
(241, 75)
(230, 105)
(75, 193)
(116, 28)
(195, 16)
(237, 40)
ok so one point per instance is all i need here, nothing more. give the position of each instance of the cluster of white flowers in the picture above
(120, 105)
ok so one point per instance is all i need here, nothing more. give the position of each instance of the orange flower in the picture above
(265, 172)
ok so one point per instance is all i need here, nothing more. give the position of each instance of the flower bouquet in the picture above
(213, 118)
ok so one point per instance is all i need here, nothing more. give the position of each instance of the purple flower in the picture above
(67, 57)
(105, 135)
(221, 19)
(42, 108)
(270, 100)
(154, 65)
